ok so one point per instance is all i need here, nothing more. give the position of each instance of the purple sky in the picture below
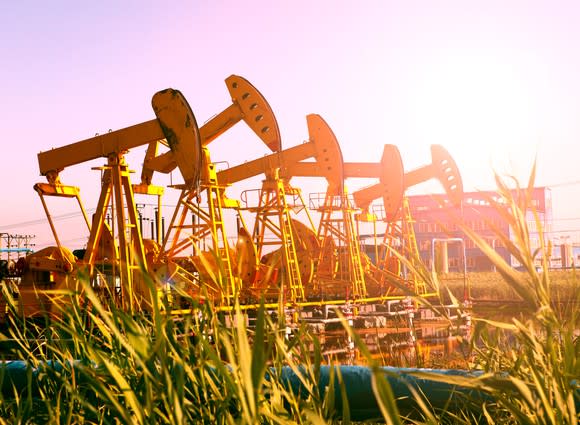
(496, 83)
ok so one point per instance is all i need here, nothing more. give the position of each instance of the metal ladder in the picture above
(207, 224)
(288, 247)
(356, 268)
(412, 251)
(342, 229)
(220, 242)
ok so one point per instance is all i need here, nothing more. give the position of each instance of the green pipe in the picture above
(362, 403)
(439, 396)
(16, 377)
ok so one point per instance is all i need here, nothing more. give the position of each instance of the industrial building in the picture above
(436, 223)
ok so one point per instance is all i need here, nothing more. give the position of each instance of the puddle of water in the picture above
(434, 344)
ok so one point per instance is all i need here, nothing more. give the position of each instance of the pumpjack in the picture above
(326, 263)
(117, 259)
(301, 264)
(341, 270)
(285, 270)
(220, 268)
(399, 235)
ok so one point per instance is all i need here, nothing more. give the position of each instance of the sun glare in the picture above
(478, 108)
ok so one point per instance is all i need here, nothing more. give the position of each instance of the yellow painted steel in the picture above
(273, 214)
(307, 250)
(208, 223)
(45, 273)
(59, 190)
(337, 228)
(312, 266)
(338, 263)
(400, 237)
(339, 270)
(57, 159)
(278, 204)
(322, 147)
(218, 263)
(390, 187)
(340, 258)
(279, 168)
(121, 245)
(319, 303)
(442, 168)
(247, 263)
(175, 126)
(337, 234)
(115, 254)
(269, 163)
(400, 233)
(181, 133)
(248, 105)
(413, 250)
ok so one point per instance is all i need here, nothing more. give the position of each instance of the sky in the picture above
(494, 82)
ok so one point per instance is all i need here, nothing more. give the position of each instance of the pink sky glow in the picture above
(495, 82)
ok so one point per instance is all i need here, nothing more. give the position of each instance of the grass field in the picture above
(99, 364)
(491, 286)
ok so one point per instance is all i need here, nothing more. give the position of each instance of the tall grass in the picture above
(99, 364)
(527, 364)
(531, 365)
(534, 364)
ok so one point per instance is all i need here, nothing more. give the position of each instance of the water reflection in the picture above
(401, 342)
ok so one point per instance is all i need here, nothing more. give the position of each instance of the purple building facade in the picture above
(436, 220)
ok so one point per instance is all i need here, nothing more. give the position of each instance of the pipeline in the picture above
(439, 395)
(362, 403)
(16, 377)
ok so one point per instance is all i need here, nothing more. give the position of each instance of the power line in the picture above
(562, 184)
(40, 221)
(66, 216)
(60, 217)
(561, 231)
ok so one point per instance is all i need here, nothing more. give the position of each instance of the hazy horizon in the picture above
(495, 83)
